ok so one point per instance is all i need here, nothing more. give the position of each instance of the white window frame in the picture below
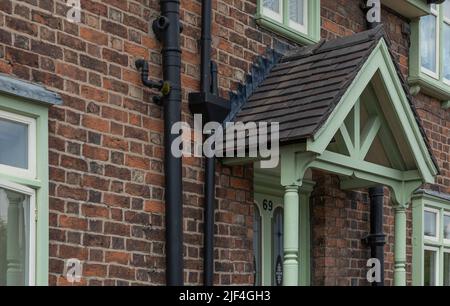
(438, 228)
(446, 21)
(445, 214)
(29, 173)
(297, 26)
(445, 251)
(32, 221)
(272, 14)
(434, 74)
(437, 260)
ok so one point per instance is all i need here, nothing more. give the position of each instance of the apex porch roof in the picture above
(308, 84)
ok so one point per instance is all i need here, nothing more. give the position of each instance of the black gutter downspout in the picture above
(210, 163)
(214, 109)
(376, 238)
(167, 29)
(170, 9)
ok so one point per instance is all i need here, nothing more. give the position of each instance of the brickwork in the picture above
(106, 147)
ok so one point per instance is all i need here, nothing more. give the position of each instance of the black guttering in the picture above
(167, 29)
(29, 91)
(213, 108)
(376, 239)
(173, 166)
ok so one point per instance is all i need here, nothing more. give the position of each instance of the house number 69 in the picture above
(267, 205)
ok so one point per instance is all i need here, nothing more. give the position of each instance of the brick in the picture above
(22, 26)
(72, 223)
(96, 124)
(95, 153)
(22, 57)
(94, 36)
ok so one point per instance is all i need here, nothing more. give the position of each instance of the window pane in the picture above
(277, 245)
(296, 13)
(430, 224)
(13, 144)
(446, 7)
(430, 268)
(446, 50)
(428, 42)
(447, 227)
(257, 259)
(273, 5)
(446, 269)
(14, 238)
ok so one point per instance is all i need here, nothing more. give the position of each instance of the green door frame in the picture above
(267, 186)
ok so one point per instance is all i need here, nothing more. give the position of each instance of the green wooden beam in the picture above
(368, 135)
(346, 139)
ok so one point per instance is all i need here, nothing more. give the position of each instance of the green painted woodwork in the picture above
(380, 64)
(283, 29)
(368, 136)
(305, 234)
(408, 8)
(266, 218)
(400, 247)
(386, 136)
(421, 200)
(40, 183)
(446, 104)
(378, 90)
(420, 81)
(267, 187)
(291, 236)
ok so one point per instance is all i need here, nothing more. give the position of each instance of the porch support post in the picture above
(291, 237)
(400, 246)
(294, 165)
(402, 197)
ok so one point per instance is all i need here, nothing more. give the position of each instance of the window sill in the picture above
(408, 8)
(432, 87)
(285, 31)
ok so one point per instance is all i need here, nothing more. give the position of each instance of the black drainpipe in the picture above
(376, 238)
(213, 108)
(167, 28)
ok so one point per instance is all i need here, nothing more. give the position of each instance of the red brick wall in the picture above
(106, 161)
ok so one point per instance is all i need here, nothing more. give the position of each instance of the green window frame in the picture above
(431, 249)
(431, 81)
(281, 23)
(408, 8)
(33, 183)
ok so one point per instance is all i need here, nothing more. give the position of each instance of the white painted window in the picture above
(431, 223)
(291, 13)
(17, 235)
(431, 266)
(298, 15)
(17, 145)
(436, 250)
(429, 42)
(446, 42)
(273, 9)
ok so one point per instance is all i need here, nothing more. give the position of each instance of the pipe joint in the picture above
(159, 26)
(163, 87)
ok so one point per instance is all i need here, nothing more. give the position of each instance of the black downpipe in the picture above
(167, 29)
(210, 163)
(376, 239)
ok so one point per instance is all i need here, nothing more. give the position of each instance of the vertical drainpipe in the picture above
(167, 29)
(376, 238)
(210, 163)
(171, 58)
(213, 108)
